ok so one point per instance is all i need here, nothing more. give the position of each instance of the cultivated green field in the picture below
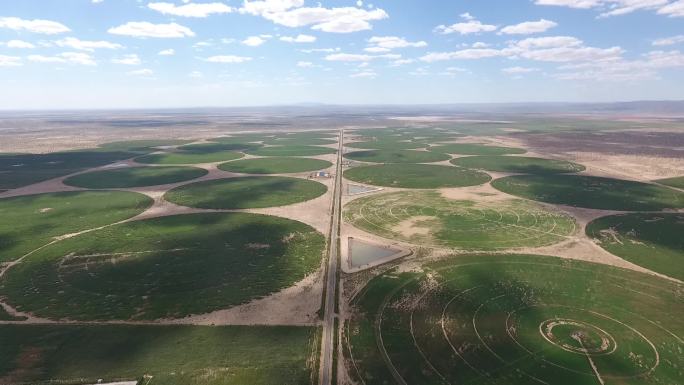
(275, 165)
(511, 320)
(143, 145)
(299, 141)
(292, 151)
(475, 149)
(518, 164)
(126, 177)
(166, 267)
(246, 192)
(427, 219)
(171, 355)
(677, 182)
(189, 157)
(416, 176)
(396, 156)
(387, 144)
(211, 147)
(18, 170)
(654, 241)
(591, 192)
(31, 221)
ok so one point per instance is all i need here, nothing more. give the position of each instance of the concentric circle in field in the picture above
(31, 221)
(517, 319)
(654, 241)
(397, 156)
(275, 165)
(475, 149)
(420, 176)
(127, 177)
(518, 164)
(165, 267)
(246, 192)
(425, 218)
(292, 151)
(592, 192)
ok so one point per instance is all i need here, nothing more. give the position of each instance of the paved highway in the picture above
(329, 332)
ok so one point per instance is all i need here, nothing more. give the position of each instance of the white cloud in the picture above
(146, 29)
(18, 44)
(167, 52)
(529, 27)
(402, 62)
(292, 13)
(65, 57)
(470, 26)
(324, 50)
(96, 1)
(675, 9)
(305, 64)
(669, 41)
(85, 45)
(227, 59)
(480, 44)
(465, 54)
(620, 70)
(190, 9)
(519, 70)
(610, 8)
(131, 60)
(141, 72)
(376, 49)
(299, 39)
(254, 41)
(392, 42)
(349, 57)
(560, 49)
(10, 61)
(47, 27)
(453, 71)
(548, 49)
(196, 75)
(367, 74)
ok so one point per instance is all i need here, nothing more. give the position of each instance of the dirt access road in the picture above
(331, 297)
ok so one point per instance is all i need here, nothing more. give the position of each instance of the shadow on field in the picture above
(476, 302)
(166, 267)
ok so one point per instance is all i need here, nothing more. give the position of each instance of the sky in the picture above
(82, 54)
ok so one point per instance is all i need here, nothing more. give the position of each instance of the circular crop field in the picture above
(189, 157)
(516, 319)
(397, 156)
(31, 221)
(275, 165)
(134, 177)
(654, 241)
(300, 141)
(591, 192)
(165, 267)
(246, 192)
(292, 151)
(425, 218)
(416, 176)
(387, 144)
(475, 149)
(211, 147)
(518, 164)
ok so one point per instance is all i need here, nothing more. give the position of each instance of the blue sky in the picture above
(181, 53)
